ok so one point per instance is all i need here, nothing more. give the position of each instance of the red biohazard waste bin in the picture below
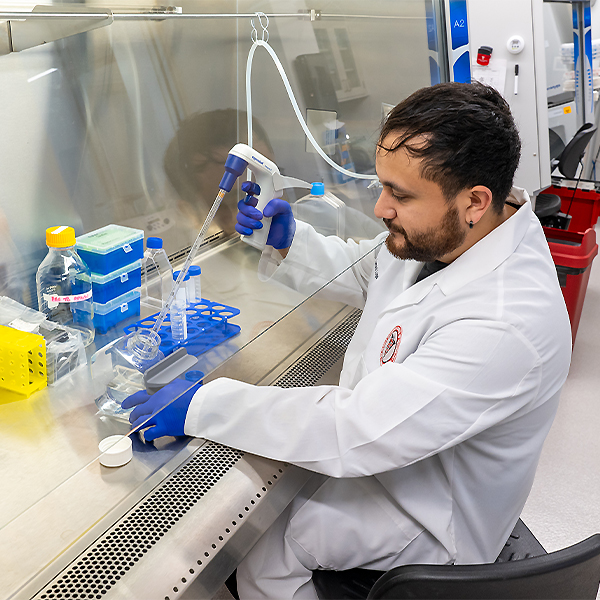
(582, 205)
(573, 253)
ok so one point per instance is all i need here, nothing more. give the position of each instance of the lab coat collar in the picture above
(482, 258)
(491, 251)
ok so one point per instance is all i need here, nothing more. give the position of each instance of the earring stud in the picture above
(470, 224)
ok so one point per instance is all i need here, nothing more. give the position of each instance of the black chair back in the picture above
(572, 573)
(571, 156)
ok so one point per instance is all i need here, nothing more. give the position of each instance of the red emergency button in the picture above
(483, 55)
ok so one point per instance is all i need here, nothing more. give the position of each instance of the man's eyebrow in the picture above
(397, 188)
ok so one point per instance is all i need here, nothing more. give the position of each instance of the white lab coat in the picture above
(448, 389)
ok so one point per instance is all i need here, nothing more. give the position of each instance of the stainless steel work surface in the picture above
(198, 523)
(56, 491)
(58, 498)
(85, 498)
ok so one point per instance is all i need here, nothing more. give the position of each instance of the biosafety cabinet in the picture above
(123, 113)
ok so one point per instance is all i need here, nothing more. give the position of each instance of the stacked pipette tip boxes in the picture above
(114, 256)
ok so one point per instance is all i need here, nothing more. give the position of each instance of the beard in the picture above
(429, 245)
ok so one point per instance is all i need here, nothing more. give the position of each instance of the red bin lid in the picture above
(572, 248)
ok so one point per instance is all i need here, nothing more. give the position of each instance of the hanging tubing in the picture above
(292, 98)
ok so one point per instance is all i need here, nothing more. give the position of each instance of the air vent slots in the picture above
(113, 555)
(320, 357)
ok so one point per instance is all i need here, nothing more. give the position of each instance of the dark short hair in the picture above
(465, 135)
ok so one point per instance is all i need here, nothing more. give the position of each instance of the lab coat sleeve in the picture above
(464, 379)
(314, 260)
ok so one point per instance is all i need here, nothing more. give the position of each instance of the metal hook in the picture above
(264, 26)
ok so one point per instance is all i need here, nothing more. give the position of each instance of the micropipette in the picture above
(263, 170)
(234, 167)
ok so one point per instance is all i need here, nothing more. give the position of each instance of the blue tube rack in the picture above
(207, 326)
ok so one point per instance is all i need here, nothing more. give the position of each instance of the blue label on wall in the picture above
(587, 17)
(462, 69)
(588, 65)
(432, 34)
(459, 30)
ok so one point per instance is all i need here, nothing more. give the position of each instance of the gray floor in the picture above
(564, 504)
(564, 507)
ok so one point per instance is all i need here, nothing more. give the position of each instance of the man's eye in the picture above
(399, 198)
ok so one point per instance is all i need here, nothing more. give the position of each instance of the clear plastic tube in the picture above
(178, 316)
(292, 98)
(188, 261)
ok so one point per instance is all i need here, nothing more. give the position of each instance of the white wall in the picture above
(493, 23)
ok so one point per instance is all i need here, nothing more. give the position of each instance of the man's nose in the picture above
(384, 208)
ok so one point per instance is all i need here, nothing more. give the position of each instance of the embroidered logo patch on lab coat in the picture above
(389, 350)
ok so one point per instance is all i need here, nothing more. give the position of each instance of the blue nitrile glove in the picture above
(171, 419)
(283, 224)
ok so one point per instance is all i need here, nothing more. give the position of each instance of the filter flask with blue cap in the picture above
(157, 279)
(323, 210)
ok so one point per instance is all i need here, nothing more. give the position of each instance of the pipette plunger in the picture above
(251, 188)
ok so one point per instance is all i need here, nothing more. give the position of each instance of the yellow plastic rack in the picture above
(22, 362)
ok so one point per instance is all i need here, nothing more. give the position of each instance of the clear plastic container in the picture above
(129, 358)
(110, 248)
(178, 316)
(64, 346)
(195, 295)
(158, 274)
(324, 211)
(64, 350)
(64, 284)
(190, 289)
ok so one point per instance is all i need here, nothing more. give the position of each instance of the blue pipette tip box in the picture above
(110, 248)
(108, 287)
(116, 310)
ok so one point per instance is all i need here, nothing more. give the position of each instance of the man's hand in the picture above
(283, 224)
(168, 421)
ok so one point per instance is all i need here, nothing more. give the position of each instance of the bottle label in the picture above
(54, 300)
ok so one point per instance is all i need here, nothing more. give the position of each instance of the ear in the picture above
(480, 200)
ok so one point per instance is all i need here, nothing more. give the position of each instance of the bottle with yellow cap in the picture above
(64, 284)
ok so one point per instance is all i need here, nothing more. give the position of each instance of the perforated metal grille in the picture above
(322, 356)
(117, 552)
(97, 570)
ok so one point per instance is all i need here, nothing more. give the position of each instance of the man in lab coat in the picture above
(451, 380)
